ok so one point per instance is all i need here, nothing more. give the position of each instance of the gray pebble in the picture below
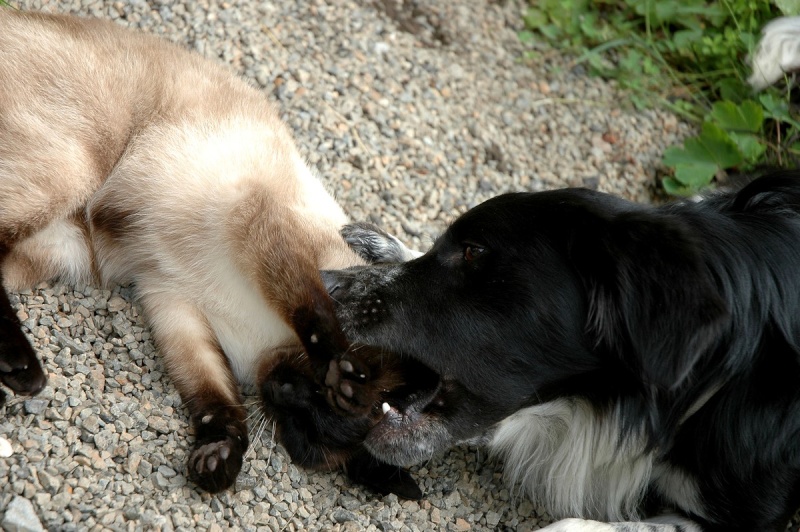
(92, 424)
(67, 342)
(35, 406)
(168, 472)
(145, 468)
(20, 516)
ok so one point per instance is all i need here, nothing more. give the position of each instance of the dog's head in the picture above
(528, 297)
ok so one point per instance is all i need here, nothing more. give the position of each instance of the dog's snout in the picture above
(332, 281)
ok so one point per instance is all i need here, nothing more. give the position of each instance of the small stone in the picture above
(35, 406)
(132, 465)
(104, 440)
(66, 342)
(145, 468)
(340, 515)
(162, 481)
(462, 525)
(116, 304)
(167, 471)
(92, 424)
(492, 519)
(49, 482)
(159, 424)
(21, 517)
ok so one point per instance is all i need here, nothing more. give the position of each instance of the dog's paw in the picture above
(348, 387)
(214, 465)
(374, 244)
(20, 370)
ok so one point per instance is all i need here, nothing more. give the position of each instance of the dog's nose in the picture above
(331, 280)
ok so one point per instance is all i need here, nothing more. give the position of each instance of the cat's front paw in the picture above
(20, 370)
(214, 465)
(349, 388)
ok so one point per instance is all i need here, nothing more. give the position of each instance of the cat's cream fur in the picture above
(125, 159)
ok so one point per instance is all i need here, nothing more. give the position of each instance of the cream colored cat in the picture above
(125, 159)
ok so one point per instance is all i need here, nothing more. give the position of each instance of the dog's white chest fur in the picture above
(576, 461)
(564, 455)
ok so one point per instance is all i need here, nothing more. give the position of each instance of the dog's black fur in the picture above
(677, 328)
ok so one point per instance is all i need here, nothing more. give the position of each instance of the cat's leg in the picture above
(201, 373)
(282, 251)
(19, 368)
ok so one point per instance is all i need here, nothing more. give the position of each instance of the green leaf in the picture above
(535, 18)
(746, 117)
(695, 175)
(674, 187)
(789, 8)
(525, 36)
(777, 109)
(551, 31)
(749, 145)
(631, 62)
(732, 89)
(703, 156)
(713, 145)
(684, 39)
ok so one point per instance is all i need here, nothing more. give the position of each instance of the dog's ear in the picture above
(652, 300)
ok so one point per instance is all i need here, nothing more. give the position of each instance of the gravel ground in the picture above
(412, 112)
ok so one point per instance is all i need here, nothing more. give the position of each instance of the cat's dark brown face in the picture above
(324, 425)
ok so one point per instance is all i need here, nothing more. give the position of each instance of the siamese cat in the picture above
(126, 159)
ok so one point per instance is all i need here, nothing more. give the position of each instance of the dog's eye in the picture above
(473, 252)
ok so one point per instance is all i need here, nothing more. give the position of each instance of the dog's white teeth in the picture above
(385, 407)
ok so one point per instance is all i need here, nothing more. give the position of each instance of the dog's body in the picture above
(125, 159)
(623, 360)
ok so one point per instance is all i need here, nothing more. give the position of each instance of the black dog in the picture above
(625, 361)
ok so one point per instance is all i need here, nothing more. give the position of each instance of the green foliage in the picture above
(687, 56)
(730, 137)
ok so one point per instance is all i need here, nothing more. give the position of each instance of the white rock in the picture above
(5, 448)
